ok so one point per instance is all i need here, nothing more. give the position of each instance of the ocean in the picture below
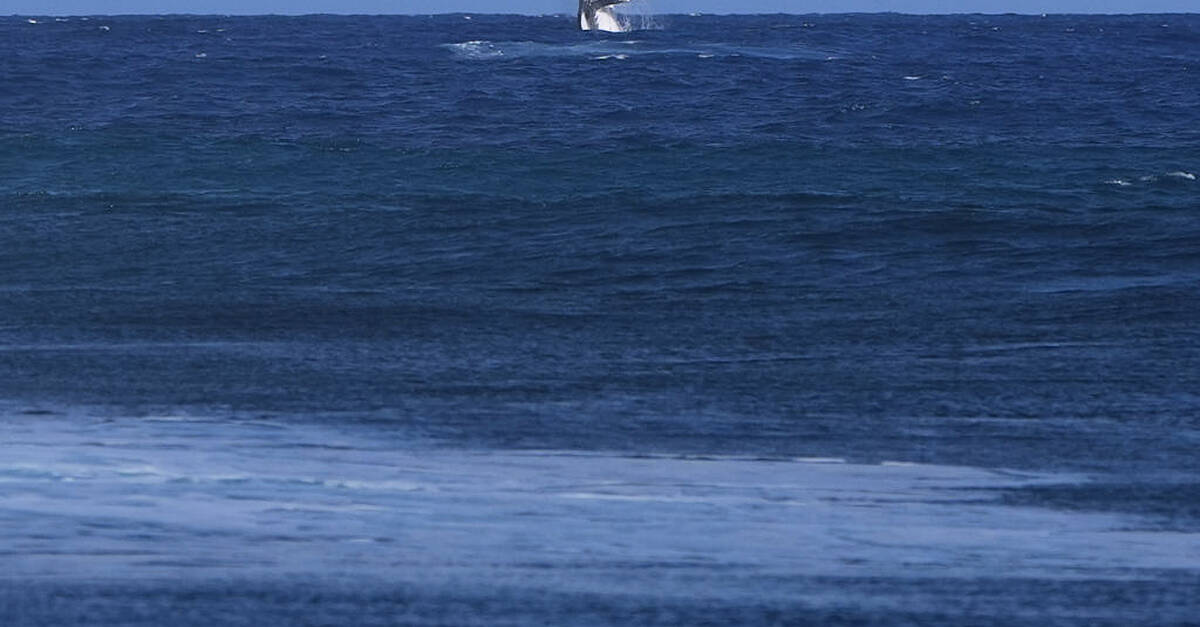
(483, 320)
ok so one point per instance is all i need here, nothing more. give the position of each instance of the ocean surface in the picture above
(482, 320)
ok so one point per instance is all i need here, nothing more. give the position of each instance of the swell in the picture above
(775, 234)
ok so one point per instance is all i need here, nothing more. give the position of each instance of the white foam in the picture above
(602, 48)
(173, 418)
(476, 50)
(1175, 175)
(472, 516)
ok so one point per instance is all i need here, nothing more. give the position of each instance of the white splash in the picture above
(476, 49)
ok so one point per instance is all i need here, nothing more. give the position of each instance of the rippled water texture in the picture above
(436, 320)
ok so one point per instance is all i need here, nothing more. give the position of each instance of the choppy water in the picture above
(435, 320)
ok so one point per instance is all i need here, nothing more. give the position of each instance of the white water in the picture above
(482, 50)
(180, 497)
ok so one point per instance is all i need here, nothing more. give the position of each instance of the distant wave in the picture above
(621, 49)
(1167, 178)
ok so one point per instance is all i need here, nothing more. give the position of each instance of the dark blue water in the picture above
(964, 241)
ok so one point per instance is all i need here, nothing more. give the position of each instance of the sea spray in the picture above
(640, 15)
